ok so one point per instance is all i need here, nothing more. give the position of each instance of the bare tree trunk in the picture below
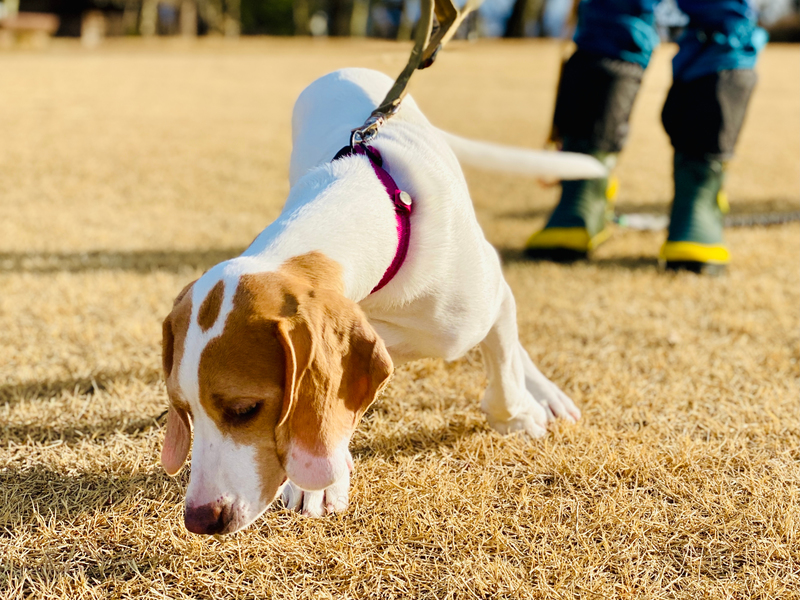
(12, 7)
(130, 17)
(406, 27)
(524, 11)
(232, 21)
(212, 13)
(339, 17)
(301, 17)
(359, 18)
(149, 20)
(188, 19)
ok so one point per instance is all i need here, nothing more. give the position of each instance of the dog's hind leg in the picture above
(518, 397)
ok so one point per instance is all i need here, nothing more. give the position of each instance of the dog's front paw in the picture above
(317, 503)
(532, 420)
(538, 406)
(555, 403)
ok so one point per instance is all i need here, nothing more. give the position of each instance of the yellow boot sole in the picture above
(708, 259)
(569, 244)
(563, 244)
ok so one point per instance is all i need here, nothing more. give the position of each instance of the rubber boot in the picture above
(694, 242)
(580, 221)
(593, 106)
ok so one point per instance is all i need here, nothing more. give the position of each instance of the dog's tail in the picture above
(535, 163)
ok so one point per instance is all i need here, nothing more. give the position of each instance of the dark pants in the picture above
(713, 75)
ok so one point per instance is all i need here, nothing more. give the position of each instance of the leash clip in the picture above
(367, 132)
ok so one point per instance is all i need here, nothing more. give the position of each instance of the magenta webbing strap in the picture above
(402, 208)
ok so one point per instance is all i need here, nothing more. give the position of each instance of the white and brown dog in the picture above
(271, 358)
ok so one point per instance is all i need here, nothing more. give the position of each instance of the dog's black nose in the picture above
(208, 519)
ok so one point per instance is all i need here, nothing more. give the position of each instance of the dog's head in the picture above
(272, 371)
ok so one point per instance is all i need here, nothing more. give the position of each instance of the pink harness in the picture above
(402, 207)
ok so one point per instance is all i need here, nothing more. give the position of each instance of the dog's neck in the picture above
(329, 210)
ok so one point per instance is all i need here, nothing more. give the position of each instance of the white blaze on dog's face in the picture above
(273, 371)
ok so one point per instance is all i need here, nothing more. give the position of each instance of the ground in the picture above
(127, 171)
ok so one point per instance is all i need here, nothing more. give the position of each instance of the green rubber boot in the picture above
(694, 242)
(580, 221)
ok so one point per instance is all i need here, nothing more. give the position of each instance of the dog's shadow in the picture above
(41, 491)
(97, 431)
(140, 261)
(83, 486)
(41, 431)
(413, 442)
(15, 392)
(631, 263)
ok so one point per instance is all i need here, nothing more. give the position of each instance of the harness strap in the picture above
(402, 207)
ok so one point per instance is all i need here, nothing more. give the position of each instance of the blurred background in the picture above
(93, 20)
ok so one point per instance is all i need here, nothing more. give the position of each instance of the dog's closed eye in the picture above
(242, 412)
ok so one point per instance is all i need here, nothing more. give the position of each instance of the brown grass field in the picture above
(127, 171)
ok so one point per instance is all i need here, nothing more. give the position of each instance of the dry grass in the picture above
(126, 172)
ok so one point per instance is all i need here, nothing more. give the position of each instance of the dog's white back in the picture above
(443, 299)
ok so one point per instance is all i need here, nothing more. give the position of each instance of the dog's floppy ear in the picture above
(335, 367)
(177, 440)
(297, 343)
(178, 437)
(367, 368)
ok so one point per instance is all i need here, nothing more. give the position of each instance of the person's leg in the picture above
(615, 39)
(713, 79)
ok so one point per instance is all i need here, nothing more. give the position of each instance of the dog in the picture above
(271, 358)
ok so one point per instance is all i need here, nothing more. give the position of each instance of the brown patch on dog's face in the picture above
(209, 309)
(241, 375)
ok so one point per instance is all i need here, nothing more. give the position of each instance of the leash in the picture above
(428, 41)
(657, 222)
